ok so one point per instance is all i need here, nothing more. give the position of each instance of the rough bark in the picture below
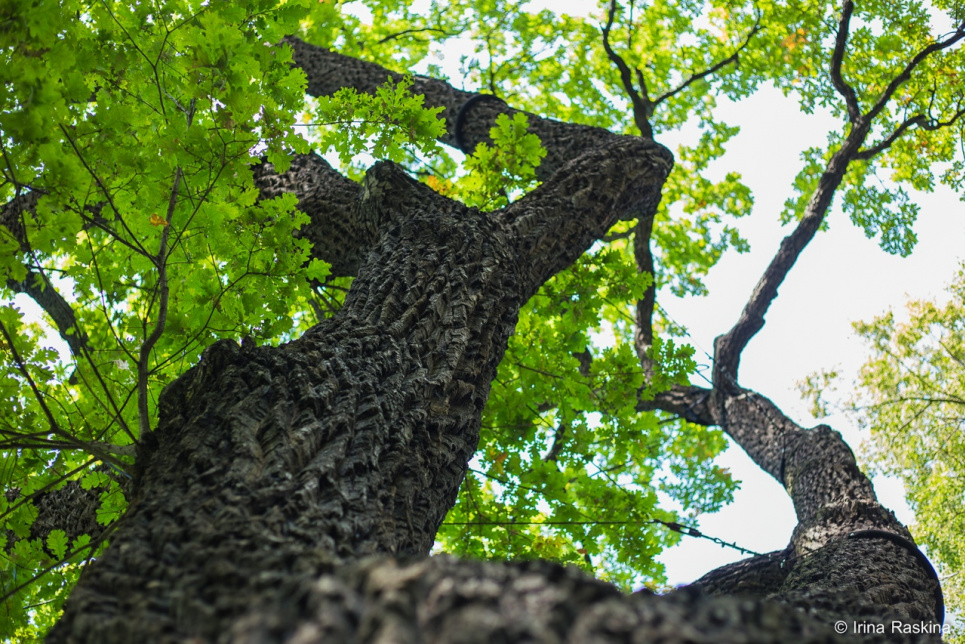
(330, 71)
(271, 466)
(278, 477)
(848, 555)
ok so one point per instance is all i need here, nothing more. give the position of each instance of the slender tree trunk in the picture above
(293, 493)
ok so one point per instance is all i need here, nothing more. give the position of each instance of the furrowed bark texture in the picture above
(279, 479)
(271, 466)
(848, 555)
(329, 71)
(336, 233)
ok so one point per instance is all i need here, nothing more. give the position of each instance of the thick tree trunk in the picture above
(271, 466)
(279, 480)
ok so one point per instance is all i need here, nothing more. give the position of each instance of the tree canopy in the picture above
(139, 142)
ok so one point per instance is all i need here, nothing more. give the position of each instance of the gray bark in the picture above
(292, 493)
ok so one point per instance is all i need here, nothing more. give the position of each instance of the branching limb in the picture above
(39, 288)
(840, 43)
(919, 120)
(733, 58)
(642, 106)
(69, 440)
(905, 74)
(408, 32)
(131, 243)
(728, 347)
(161, 262)
(693, 404)
(557, 222)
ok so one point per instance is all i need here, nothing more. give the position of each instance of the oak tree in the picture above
(287, 379)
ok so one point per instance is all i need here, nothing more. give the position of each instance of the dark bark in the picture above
(848, 554)
(271, 466)
(279, 479)
(329, 71)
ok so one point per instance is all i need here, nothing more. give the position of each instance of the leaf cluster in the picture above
(134, 127)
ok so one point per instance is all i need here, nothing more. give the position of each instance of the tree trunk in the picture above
(293, 493)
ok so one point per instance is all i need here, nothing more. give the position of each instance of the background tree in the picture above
(909, 396)
(353, 439)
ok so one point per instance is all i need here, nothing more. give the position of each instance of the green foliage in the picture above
(504, 169)
(567, 469)
(925, 109)
(137, 124)
(386, 124)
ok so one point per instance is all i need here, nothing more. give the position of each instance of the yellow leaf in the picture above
(157, 220)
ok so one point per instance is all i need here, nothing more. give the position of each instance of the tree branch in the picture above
(919, 120)
(337, 233)
(905, 74)
(840, 42)
(733, 58)
(757, 577)
(476, 601)
(406, 32)
(728, 347)
(690, 402)
(161, 262)
(329, 72)
(36, 284)
(557, 222)
(642, 106)
(643, 336)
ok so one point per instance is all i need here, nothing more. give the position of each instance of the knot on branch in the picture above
(388, 191)
(457, 127)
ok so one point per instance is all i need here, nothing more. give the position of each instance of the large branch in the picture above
(760, 576)
(729, 346)
(834, 502)
(557, 222)
(329, 72)
(643, 317)
(337, 233)
(444, 600)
